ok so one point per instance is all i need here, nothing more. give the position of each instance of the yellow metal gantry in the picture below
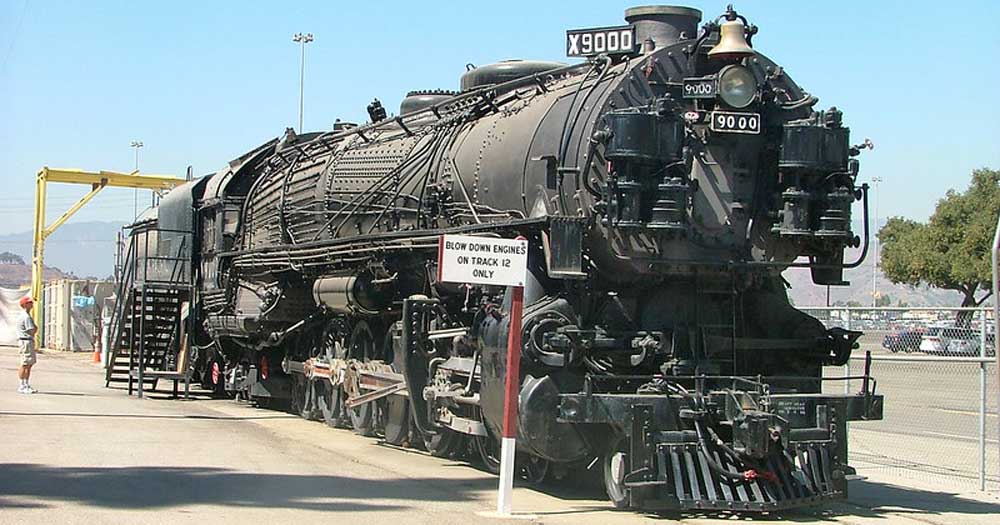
(97, 180)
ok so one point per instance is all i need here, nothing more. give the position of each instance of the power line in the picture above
(14, 35)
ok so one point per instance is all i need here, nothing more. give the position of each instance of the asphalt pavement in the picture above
(933, 409)
(80, 453)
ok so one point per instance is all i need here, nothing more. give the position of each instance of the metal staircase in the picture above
(149, 326)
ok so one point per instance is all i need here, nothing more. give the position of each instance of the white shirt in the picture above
(25, 326)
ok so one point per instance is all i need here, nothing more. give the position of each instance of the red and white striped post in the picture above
(512, 385)
(495, 262)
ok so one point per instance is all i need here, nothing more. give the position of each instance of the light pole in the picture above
(136, 144)
(875, 180)
(302, 39)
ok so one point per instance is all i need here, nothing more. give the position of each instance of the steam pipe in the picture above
(435, 108)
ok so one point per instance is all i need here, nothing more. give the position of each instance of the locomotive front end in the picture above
(706, 173)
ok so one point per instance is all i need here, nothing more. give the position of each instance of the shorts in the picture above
(27, 352)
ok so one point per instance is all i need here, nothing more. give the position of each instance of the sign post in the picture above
(497, 262)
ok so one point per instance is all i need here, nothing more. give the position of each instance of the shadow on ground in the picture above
(906, 500)
(31, 485)
(870, 499)
(193, 417)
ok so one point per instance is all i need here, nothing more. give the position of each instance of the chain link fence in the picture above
(937, 369)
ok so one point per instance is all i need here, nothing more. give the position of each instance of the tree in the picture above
(10, 258)
(952, 249)
(883, 300)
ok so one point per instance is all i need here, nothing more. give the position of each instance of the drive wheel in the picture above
(303, 397)
(395, 409)
(397, 420)
(362, 348)
(329, 398)
(330, 404)
(444, 444)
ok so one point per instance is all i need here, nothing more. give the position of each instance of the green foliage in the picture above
(883, 300)
(951, 250)
(848, 304)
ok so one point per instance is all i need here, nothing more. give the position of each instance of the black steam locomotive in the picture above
(664, 181)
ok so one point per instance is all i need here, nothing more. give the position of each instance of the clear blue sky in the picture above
(202, 82)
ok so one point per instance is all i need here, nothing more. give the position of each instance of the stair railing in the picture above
(122, 305)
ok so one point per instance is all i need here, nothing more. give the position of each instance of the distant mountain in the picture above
(83, 249)
(804, 293)
(15, 276)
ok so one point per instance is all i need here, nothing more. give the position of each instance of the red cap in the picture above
(26, 300)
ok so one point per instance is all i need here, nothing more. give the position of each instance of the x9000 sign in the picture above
(609, 40)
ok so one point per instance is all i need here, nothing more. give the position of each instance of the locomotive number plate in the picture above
(704, 87)
(594, 41)
(735, 122)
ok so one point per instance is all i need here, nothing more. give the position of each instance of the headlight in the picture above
(737, 86)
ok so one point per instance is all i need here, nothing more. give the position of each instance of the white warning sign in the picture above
(482, 260)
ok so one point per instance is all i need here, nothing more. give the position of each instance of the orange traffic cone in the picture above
(97, 355)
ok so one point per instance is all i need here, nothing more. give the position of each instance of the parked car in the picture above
(904, 340)
(970, 346)
(954, 341)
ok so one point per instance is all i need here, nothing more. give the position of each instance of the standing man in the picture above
(26, 329)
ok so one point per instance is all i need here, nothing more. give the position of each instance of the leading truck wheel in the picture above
(616, 465)
(533, 470)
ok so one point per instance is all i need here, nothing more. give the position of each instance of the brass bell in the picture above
(732, 41)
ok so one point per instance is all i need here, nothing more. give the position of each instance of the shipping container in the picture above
(72, 313)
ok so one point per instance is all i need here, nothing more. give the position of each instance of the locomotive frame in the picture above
(658, 338)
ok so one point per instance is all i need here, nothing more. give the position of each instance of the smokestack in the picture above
(663, 24)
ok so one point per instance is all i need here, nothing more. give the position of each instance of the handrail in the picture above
(130, 273)
(114, 331)
(180, 250)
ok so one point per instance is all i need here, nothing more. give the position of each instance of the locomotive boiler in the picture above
(664, 179)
